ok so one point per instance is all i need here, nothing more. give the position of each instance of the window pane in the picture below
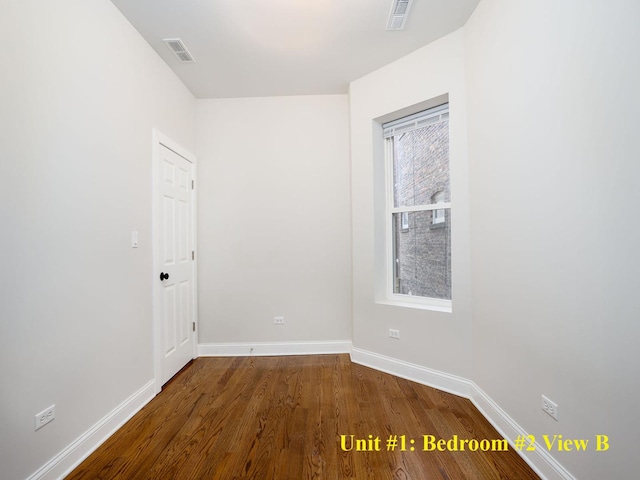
(422, 254)
(421, 166)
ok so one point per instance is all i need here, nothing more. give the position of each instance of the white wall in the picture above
(553, 146)
(80, 92)
(273, 219)
(440, 341)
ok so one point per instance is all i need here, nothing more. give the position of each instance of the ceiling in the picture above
(253, 48)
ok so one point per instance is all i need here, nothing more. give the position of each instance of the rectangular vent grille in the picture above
(398, 14)
(179, 50)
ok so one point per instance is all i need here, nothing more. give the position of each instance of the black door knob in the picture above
(164, 276)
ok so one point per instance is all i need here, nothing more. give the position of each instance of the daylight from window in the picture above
(419, 208)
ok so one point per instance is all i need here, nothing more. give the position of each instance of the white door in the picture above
(174, 248)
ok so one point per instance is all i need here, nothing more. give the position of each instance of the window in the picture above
(418, 207)
(404, 221)
(438, 215)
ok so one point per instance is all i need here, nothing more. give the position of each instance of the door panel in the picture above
(169, 343)
(175, 231)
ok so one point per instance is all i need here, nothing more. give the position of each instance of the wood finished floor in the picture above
(281, 418)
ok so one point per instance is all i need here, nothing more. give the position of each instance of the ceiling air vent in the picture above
(398, 14)
(179, 50)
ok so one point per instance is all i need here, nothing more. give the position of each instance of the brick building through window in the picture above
(420, 208)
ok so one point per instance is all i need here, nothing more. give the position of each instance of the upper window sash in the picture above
(417, 120)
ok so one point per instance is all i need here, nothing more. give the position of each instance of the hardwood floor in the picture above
(292, 418)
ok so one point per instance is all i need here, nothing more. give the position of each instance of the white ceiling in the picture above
(252, 48)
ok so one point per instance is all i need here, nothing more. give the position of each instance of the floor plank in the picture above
(280, 418)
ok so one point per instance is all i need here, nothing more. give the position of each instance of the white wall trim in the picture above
(69, 458)
(426, 376)
(539, 460)
(240, 349)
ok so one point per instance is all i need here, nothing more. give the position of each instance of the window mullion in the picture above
(421, 208)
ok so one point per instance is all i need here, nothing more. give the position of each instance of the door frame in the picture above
(159, 140)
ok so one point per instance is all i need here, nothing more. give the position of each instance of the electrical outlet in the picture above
(393, 333)
(278, 320)
(549, 407)
(45, 416)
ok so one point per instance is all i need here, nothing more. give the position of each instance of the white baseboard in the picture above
(272, 349)
(69, 458)
(433, 378)
(539, 460)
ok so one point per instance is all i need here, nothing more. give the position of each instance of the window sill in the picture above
(417, 305)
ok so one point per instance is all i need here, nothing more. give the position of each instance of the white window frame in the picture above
(390, 129)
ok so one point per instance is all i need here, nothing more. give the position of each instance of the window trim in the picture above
(391, 298)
